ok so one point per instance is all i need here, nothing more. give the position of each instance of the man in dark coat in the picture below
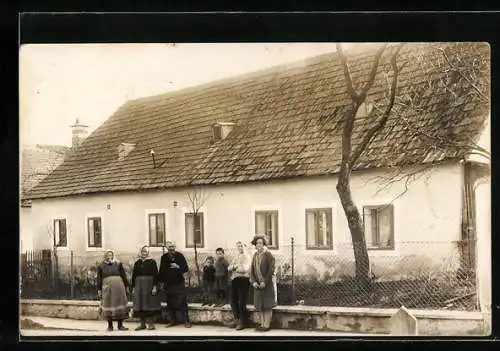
(173, 266)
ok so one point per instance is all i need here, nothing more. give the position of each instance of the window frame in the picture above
(87, 232)
(275, 246)
(377, 247)
(330, 212)
(58, 219)
(187, 215)
(150, 213)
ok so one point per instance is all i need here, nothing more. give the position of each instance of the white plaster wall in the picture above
(427, 216)
(25, 229)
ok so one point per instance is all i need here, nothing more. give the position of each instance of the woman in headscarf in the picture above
(112, 284)
(261, 279)
(144, 290)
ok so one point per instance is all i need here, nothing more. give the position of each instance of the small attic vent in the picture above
(364, 110)
(221, 130)
(124, 149)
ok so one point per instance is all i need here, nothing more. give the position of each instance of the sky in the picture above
(62, 82)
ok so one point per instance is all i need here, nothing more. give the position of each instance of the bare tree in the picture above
(350, 154)
(447, 73)
(197, 198)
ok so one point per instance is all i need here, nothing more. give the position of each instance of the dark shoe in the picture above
(187, 325)
(240, 325)
(266, 329)
(232, 324)
(109, 329)
(169, 325)
(151, 327)
(258, 328)
(141, 327)
(121, 327)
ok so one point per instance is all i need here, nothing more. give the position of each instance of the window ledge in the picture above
(61, 248)
(95, 249)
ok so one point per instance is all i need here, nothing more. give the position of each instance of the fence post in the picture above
(55, 271)
(71, 278)
(293, 271)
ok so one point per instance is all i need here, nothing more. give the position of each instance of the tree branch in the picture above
(381, 123)
(373, 73)
(347, 74)
(459, 71)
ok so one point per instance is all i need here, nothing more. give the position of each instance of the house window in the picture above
(94, 232)
(379, 226)
(319, 228)
(156, 229)
(266, 222)
(194, 230)
(60, 233)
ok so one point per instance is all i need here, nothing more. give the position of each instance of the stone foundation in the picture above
(351, 320)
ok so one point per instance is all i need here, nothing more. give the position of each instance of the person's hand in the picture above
(99, 293)
(255, 285)
(133, 291)
(262, 285)
(154, 291)
(174, 265)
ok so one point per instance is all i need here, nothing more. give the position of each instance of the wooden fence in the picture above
(37, 273)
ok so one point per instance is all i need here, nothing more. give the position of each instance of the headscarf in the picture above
(114, 260)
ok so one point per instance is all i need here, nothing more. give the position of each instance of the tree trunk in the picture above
(196, 263)
(362, 261)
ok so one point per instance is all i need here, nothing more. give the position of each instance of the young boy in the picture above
(209, 282)
(221, 277)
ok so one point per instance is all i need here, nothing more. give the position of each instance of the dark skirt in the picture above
(114, 301)
(265, 299)
(145, 303)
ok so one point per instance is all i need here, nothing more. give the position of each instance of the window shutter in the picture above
(386, 230)
(189, 230)
(160, 229)
(91, 235)
(63, 237)
(368, 224)
(152, 230)
(311, 228)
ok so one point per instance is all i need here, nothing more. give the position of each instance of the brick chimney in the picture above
(79, 133)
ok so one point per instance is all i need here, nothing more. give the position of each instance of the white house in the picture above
(265, 147)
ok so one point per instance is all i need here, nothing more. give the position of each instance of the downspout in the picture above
(467, 244)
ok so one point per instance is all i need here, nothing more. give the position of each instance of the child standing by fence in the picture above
(209, 282)
(221, 277)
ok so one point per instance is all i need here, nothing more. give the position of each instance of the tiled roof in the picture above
(287, 124)
(38, 162)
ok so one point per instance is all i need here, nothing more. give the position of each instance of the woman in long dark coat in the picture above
(262, 281)
(112, 284)
(144, 290)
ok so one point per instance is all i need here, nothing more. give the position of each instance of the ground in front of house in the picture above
(55, 327)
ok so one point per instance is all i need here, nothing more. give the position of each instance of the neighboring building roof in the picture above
(287, 124)
(37, 162)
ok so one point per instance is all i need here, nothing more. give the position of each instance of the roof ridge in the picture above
(258, 73)
(261, 73)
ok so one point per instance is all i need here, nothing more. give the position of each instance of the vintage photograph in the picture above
(255, 189)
